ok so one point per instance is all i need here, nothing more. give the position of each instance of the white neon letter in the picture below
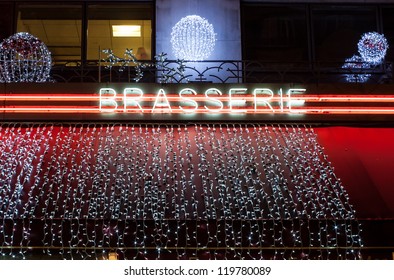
(161, 101)
(237, 91)
(214, 91)
(295, 102)
(265, 100)
(107, 98)
(188, 91)
(281, 103)
(136, 94)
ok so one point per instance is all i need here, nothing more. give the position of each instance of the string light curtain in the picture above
(217, 191)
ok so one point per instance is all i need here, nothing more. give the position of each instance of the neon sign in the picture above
(212, 100)
(187, 100)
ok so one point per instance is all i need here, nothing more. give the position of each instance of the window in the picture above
(275, 32)
(337, 30)
(120, 27)
(6, 20)
(388, 30)
(58, 26)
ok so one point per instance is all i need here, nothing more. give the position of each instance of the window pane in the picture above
(275, 32)
(134, 19)
(388, 30)
(6, 20)
(337, 30)
(58, 26)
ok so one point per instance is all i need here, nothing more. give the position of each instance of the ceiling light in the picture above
(126, 30)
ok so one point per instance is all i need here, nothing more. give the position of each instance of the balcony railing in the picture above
(236, 71)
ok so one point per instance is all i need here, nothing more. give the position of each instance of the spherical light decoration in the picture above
(193, 38)
(373, 47)
(356, 63)
(24, 58)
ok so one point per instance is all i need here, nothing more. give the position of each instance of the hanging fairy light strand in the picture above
(84, 191)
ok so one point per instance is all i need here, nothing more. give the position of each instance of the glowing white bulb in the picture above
(193, 38)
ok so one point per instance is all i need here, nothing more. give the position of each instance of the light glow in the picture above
(137, 94)
(373, 47)
(289, 214)
(188, 91)
(24, 58)
(265, 101)
(304, 110)
(107, 99)
(290, 92)
(161, 101)
(188, 100)
(233, 99)
(356, 64)
(193, 38)
(217, 100)
(126, 30)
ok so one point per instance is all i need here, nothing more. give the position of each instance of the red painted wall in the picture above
(364, 160)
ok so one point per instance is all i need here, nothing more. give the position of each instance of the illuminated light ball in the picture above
(24, 58)
(373, 47)
(193, 38)
(356, 63)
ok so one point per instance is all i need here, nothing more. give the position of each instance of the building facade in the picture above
(196, 129)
